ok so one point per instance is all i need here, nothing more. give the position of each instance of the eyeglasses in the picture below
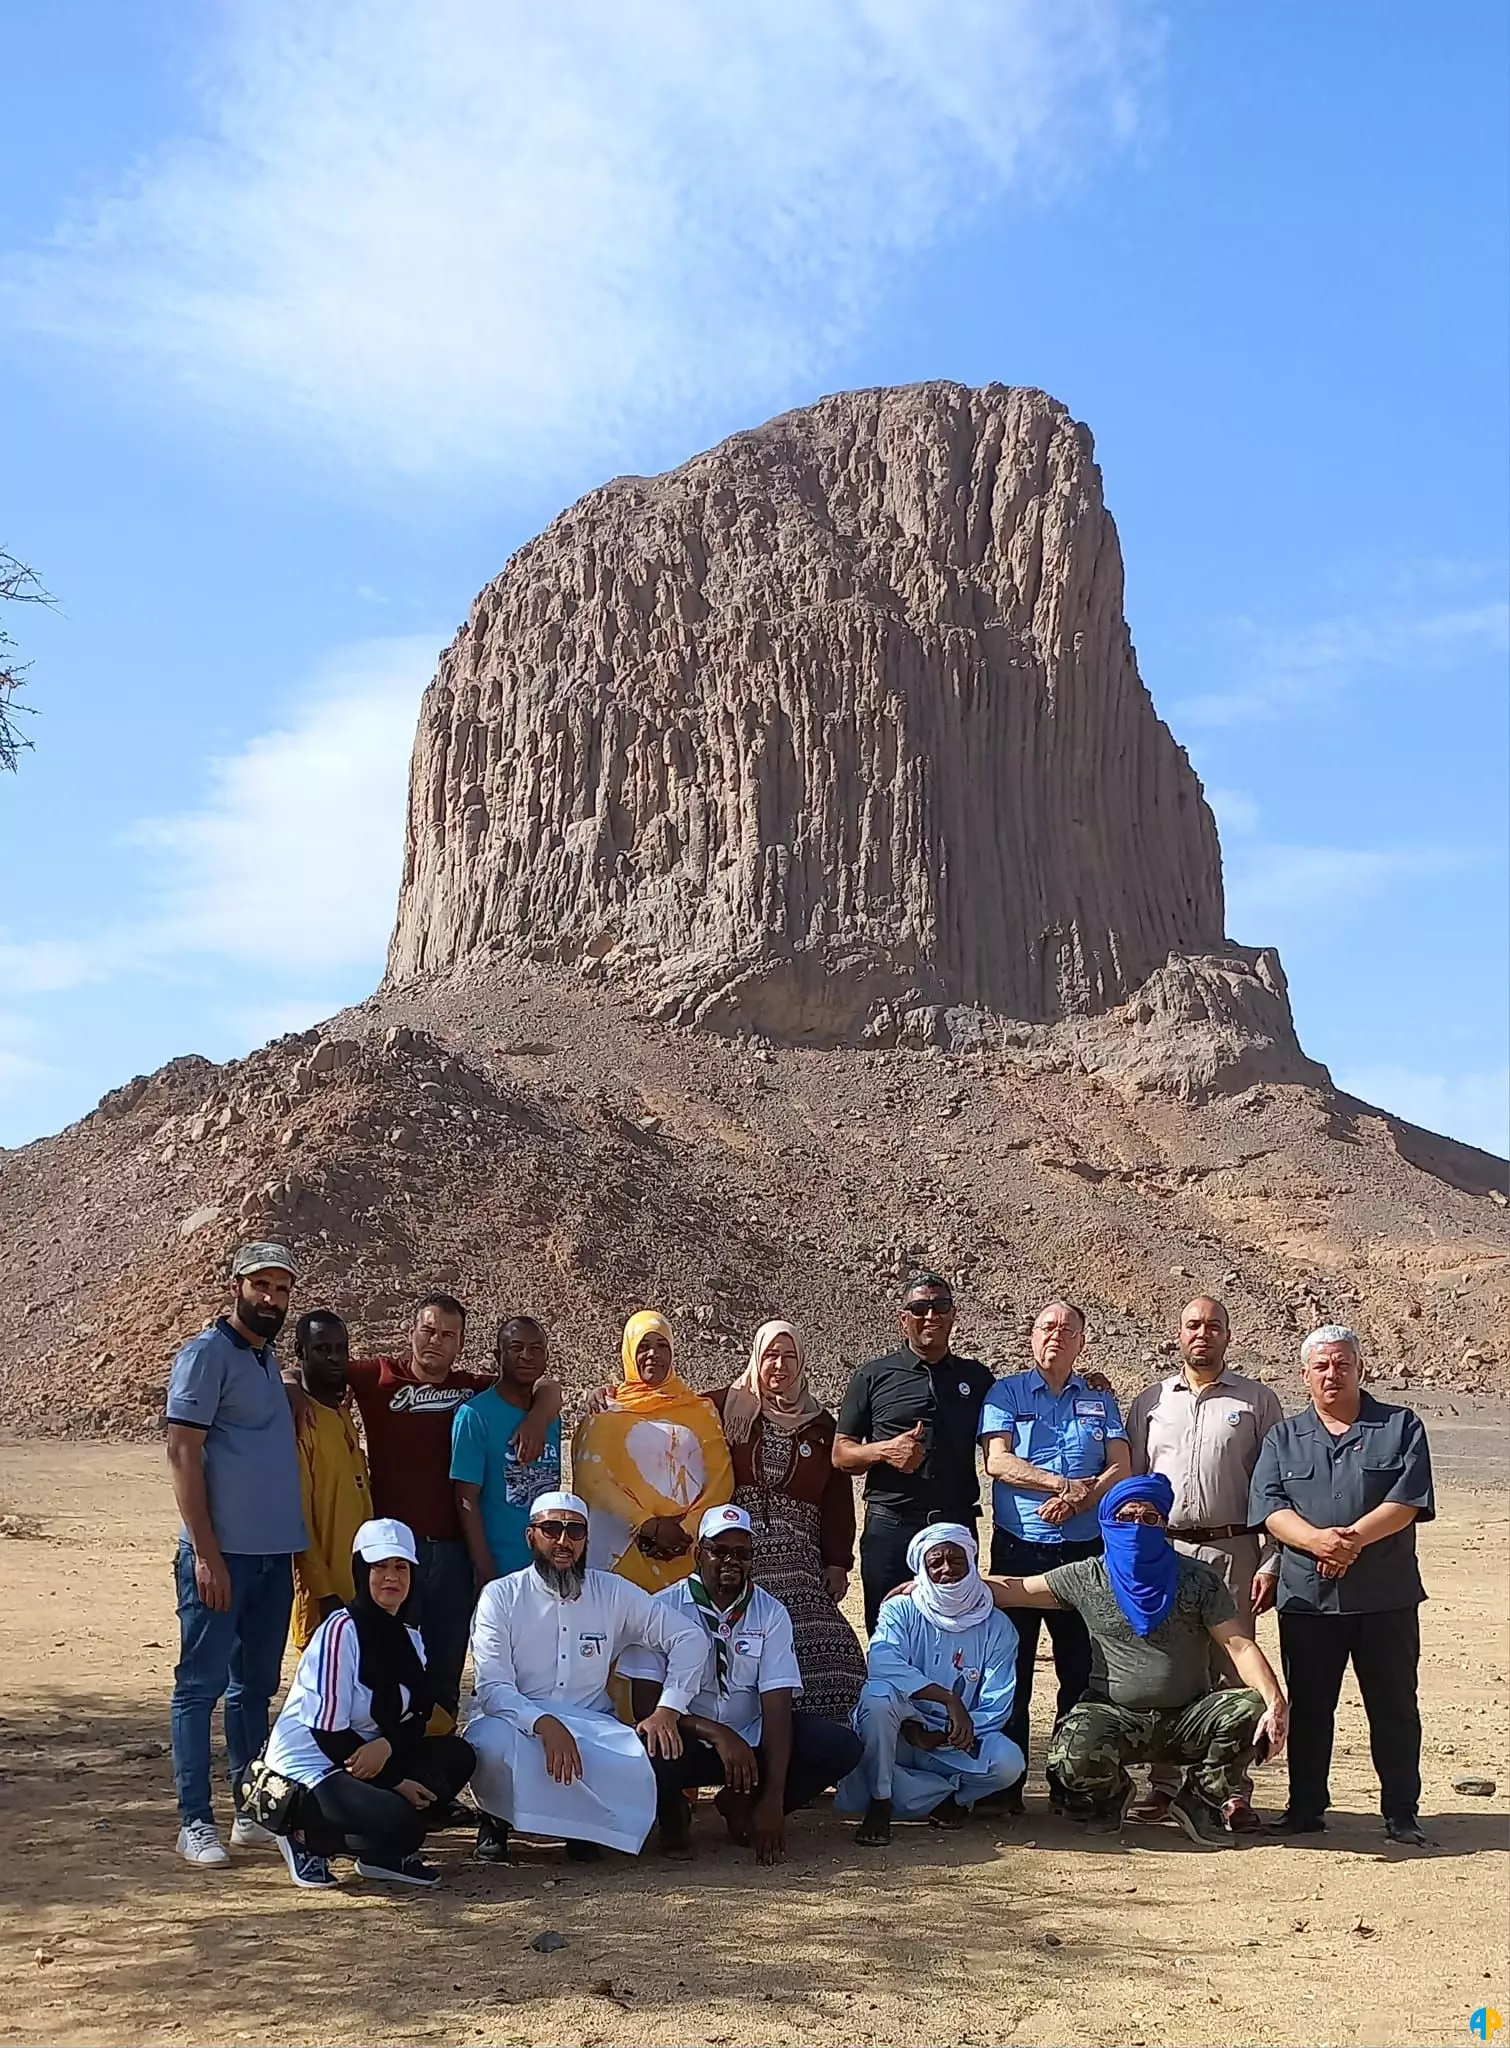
(935, 1305)
(577, 1531)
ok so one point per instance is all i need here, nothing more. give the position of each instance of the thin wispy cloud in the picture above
(1305, 887)
(1273, 672)
(289, 869)
(467, 235)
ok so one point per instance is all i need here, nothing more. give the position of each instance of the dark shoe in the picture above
(583, 1852)
(1406, 1829)
(950, 1816)
(874, 1832)
(1152, 1808)
(1106, 1817)
(413, 1870)
(492, 1841)
(1201, 1822)
(1297, 1824)
(1240, 1818)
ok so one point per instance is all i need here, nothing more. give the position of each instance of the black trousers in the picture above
(823, 1752)
(883, 1552)
(1385, 1650)
(342, 1816)
(1013, 1557)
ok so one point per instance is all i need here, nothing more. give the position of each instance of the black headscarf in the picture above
(387, 1659)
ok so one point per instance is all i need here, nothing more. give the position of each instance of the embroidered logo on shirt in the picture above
(804, 1450)
(1096, 1408)
(413, 1399)
(591, 1644)
(964, 1387)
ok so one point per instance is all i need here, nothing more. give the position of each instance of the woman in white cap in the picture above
(932, 1716)
(352, 1730)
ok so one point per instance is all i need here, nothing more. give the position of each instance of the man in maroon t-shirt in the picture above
(408, 1406)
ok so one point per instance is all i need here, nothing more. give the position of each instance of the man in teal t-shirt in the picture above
(502, 1457)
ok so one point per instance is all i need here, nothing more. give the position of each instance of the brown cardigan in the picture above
(813, 1479)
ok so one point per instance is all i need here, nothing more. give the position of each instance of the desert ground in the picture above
(1007, 1933)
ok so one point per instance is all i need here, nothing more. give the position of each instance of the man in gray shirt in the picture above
(236, 1480)
(1341, 1486)
(1152, 1616)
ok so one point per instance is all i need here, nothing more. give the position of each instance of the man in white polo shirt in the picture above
(740, 1732)
(552, 1758)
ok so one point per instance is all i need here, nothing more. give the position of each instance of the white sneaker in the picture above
(247, 1833)
(199, 1842)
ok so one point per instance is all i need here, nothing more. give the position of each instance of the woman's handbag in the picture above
(269, 1798)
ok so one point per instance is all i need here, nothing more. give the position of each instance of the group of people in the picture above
(673, 1618)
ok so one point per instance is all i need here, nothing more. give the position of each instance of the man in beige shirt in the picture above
(1202, 1428)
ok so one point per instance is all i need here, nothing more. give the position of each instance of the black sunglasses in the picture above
(936, 1304)
(556, 1530)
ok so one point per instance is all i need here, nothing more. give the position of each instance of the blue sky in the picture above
(308, 317)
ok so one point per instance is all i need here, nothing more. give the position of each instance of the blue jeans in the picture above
(238, 1653)
(447, 1590)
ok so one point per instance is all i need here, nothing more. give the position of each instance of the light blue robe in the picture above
(908, 1652)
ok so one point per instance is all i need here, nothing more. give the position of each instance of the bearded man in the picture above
(552, 1757)
(236, 1480)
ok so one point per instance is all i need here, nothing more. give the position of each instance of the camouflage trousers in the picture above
(1212, 1739)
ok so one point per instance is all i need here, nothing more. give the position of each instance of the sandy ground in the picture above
(1025, 1933)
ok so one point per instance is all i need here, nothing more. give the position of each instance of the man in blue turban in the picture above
(1152, 1615)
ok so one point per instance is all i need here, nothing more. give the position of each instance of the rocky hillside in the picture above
(528, 1141)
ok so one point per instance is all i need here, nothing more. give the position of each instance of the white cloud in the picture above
(1474, 1106)
(1267, 882)
(291, 866)
(477, 232)
(294, 861)
(1276, 672)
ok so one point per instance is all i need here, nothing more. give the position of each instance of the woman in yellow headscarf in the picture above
(650, 1463)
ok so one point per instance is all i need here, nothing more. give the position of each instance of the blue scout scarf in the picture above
(1140, 1562)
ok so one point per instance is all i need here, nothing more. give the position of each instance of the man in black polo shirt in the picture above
(908, 1421)
(1341, 1487)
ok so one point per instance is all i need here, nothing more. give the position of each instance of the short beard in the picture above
(565, 1581)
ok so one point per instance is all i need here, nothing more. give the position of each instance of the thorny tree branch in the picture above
(19, 585)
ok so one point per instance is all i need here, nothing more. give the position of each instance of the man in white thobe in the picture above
(552, 1757)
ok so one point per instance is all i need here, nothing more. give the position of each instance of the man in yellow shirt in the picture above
(333, 1477)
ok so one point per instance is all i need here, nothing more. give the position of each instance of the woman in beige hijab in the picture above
(803, 1511)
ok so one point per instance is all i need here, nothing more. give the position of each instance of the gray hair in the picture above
(1330, 1333)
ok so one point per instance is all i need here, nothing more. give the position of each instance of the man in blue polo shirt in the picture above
(1054, 1444)
(236, 1480)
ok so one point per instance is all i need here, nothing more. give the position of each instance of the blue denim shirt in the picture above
(1065, 1433)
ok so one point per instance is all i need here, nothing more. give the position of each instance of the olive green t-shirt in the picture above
(1169, 1667)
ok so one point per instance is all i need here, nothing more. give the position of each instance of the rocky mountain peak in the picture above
(837, 725)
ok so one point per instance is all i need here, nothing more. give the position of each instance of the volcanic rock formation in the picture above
(835, 729)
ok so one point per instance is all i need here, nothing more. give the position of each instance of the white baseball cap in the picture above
(719, 1521)
(384, 1538)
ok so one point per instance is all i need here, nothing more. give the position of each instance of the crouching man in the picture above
(741, 1731)
(1153, 1615)
(552, 1759)
(933, 1715)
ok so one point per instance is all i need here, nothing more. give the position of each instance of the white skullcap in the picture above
(557, 1504)
(718, 1522)
(1329, 1333)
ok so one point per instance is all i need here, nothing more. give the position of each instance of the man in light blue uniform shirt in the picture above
(496, 1485)
(1054, 1444)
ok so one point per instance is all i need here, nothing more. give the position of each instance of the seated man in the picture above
(740, 1731)
(1153, 1615)
(932, 1716)
(552, 1759)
